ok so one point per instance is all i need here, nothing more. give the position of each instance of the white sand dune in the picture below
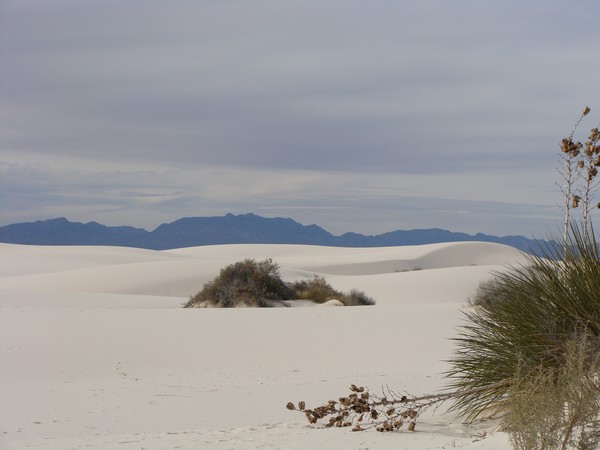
(97, 352)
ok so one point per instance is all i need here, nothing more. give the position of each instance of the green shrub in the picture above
(524, 326)
(258, 284)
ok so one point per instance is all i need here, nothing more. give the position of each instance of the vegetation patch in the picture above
(252, 283)
(528, 354)
(525, 329)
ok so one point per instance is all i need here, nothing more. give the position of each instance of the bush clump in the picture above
(258, 284)
(487, 294)
(523, 331)
(319, 291)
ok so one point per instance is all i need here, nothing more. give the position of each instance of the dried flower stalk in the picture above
(578, 169)
(589, 162)
(363, 410)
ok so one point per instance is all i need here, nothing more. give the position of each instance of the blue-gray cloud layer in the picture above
(314, 89)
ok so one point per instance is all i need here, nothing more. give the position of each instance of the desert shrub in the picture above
(247, 282)
(487, 294)
(258, 284)
(357, 298)
(315, 289)
(318, 290)
(526, 324)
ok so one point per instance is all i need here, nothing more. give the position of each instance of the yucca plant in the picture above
(532, 312)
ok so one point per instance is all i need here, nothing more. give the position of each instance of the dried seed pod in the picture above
(290, 406)
(374, 414)
(357, 428)
(585, 111)
(301, 406)
(409, 414)
(353, 388)
(390, 411)
(411, 426)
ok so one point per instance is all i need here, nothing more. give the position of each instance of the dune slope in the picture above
(97, 352)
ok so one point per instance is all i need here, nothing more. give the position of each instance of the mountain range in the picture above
(230, 229)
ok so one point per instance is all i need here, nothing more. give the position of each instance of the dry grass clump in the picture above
(487, 294)
(315, 289)
(254, 283)
(558, 408)
(357, 298)
(319, 291)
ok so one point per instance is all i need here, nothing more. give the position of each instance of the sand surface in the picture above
(96, 351)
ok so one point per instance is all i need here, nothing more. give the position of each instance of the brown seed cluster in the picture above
(592, 154)
(586, 158)
(571, 148)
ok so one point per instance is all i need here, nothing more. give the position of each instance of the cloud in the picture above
(288, 100)
(147, 195)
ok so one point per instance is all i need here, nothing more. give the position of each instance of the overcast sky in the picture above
(365, 116)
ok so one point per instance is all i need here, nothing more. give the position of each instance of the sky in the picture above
(354, 115)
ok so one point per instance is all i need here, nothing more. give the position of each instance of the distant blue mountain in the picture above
(230, 229)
